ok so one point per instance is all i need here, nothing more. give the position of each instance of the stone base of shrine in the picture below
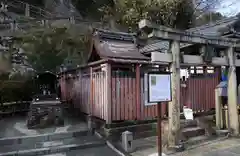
(44, 114)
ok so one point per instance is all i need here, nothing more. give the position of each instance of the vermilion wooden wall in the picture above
(90, 97)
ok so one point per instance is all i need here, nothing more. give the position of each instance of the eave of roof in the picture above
(116, 45)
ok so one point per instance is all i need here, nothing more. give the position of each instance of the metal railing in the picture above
(36, 18)
(34, 11)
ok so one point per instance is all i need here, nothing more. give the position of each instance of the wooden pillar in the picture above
(232, 92)
(109, 93)
(138, 91)
(174, 106)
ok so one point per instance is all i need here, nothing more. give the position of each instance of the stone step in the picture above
(222, 132)
(144, 134)
(95, 151)
(188, 123)
(51, 147)
(42, 138)
(144, 130)
(135, 128)
(193, 132)
(196, 140)
(115, 133)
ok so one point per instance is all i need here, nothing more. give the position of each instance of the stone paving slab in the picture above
(30, 144)
(41, 138)
(16, 127)
(54, 149)
(228, 147)
(219, 147)
(96, 151)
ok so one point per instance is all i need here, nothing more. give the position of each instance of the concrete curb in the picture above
(52, 150)
(41, 138)
(110, 145)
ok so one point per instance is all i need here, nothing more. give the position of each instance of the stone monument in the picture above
(46, 108)
(45, 111)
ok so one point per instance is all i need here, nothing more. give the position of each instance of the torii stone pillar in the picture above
(27, 10)
(174, 105)
(232, 92)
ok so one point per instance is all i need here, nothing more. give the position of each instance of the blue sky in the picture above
(229, 7)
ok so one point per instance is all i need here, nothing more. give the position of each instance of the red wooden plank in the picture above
(97, 96)
(134, 97)
(138, 91)
(122, 104)
(104, 100)
(88, 90)
(102, 83)
(142, 98)
(144, 112)
(207, 92)
(81, 94)
(85, 105)
(149, 111)
(126, 96)
(153, 111)
(84, 96)
(118, 96)
(130, 101)
(99, 102)
(94, 94)
(114, 113)
(205, 83)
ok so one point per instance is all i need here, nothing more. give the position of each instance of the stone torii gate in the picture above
(183, 38)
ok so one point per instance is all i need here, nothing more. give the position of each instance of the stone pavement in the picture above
(16, 126)
(227, 147)
(72, 139)
(220, 147)
(97, 151)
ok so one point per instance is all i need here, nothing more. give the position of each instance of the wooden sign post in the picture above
(159, 90)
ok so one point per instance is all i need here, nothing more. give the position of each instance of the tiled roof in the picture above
(211, 29)
(117, 45)
(158, 45)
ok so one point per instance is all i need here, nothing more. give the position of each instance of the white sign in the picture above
(159, 87)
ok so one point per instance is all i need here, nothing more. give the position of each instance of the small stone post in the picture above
(91, 125)
(127, 139)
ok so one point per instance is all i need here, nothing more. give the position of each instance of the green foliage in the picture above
(11, 88)
(89, 8)
(209, 17)
(179, 14)
(48, 48)
(172, 13)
